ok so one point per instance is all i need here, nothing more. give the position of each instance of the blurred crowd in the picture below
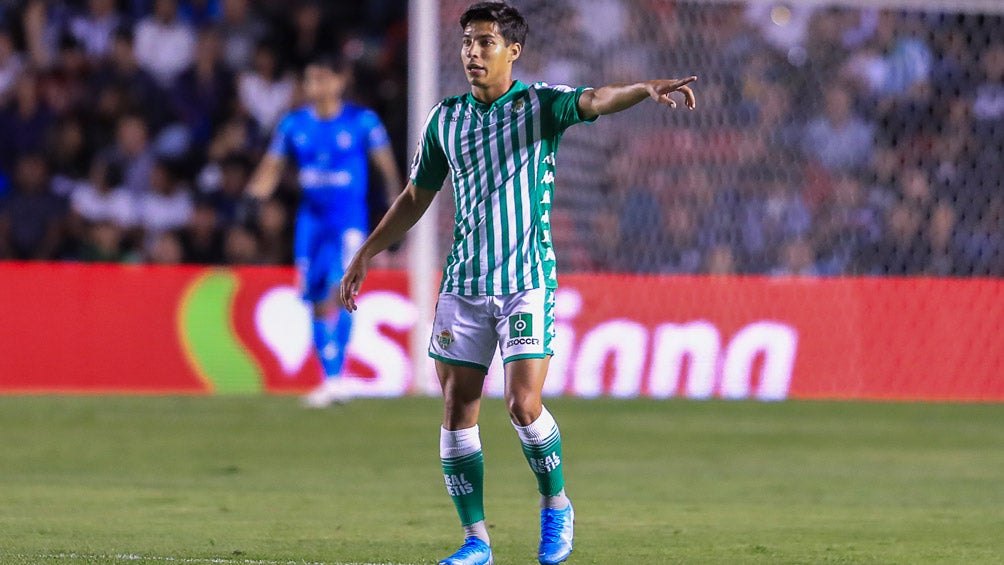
(827, 140)
(129, 128)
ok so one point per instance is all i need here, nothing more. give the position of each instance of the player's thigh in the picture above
(524, 386)
(525, 324)
(463, 332)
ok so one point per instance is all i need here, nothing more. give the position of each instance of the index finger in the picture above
(681, 82)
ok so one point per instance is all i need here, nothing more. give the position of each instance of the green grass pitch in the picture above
(259, 480)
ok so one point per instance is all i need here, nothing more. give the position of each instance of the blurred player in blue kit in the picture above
(333, 143)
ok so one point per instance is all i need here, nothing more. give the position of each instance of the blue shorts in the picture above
(322, 253)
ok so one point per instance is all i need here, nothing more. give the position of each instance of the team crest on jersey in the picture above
(517, 106)
(445, 338)
(344, 140)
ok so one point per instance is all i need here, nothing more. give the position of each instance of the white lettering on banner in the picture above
(673, 343)
(691, 358)
(626, 342)
(777, 342)
(283, 323)
(387, 358)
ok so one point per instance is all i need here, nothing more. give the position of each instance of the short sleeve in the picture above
(562, 103)
(282, 140)
(373, 128)
(429, 166)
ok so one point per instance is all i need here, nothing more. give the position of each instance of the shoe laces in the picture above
(471, 546)
(552, 523)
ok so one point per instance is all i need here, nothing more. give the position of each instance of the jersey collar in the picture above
(516, 88)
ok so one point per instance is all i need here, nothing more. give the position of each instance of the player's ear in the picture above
(515, 50)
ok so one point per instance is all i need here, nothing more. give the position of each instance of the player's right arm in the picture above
(266, 176)
(406, 210)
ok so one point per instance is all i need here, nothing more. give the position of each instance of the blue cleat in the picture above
(556, 535)
(473, 552)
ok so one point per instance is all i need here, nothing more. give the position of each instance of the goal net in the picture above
(833, 142)
(828, 140)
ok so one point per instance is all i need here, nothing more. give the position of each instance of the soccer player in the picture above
(332, 142)
(498, 143)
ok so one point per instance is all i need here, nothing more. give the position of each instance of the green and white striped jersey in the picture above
(501, 159)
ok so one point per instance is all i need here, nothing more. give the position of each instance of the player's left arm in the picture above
(616, 97)
(383, 160)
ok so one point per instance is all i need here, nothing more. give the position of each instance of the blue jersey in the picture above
(332, 155)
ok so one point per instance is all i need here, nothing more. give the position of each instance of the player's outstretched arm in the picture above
(616, 97)
(266, 177)
(406, 210)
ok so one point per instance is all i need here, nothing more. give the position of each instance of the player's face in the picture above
(486, 56)
(322, 84)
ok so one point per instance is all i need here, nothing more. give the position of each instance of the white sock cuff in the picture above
(457, 443)
(541, 430)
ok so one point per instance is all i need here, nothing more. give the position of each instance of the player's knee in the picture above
(524, 409)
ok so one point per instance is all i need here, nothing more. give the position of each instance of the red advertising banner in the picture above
(73, 328)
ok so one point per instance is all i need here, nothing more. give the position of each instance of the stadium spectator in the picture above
(103, 243)
(202, 94)
(165, 45)
(901, 251)
(31, 217)
(240, 246)
(200, 13)
(68, 154)
(166, 249)
(837, 138)
(202, 239)
(11, 66)
(121, 77)
(94, 28)
(241, 31)
(720, 260)
(232, 205)
(944, 258)
(132, 154)
(272, 227)
(165, 206)
(101, 199)
(24, 122)
(311, 33)
(798, 259)
(265, 90)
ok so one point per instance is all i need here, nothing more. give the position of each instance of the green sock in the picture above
(541, 442)
(464, 473)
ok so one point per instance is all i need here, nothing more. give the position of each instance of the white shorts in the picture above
(469, 328)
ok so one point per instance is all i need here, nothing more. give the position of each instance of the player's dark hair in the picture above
(512, 26)
(331, 61)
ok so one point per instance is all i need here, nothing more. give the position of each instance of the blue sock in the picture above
(331, 339)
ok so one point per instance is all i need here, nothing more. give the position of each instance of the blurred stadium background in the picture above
(828, 225)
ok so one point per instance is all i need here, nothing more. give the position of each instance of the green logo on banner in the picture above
(521, 325)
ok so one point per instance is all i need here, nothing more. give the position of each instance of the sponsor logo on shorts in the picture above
(521, 330)
(521, 325)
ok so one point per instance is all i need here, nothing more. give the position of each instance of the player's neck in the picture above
(491, 93)
(326, 109)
